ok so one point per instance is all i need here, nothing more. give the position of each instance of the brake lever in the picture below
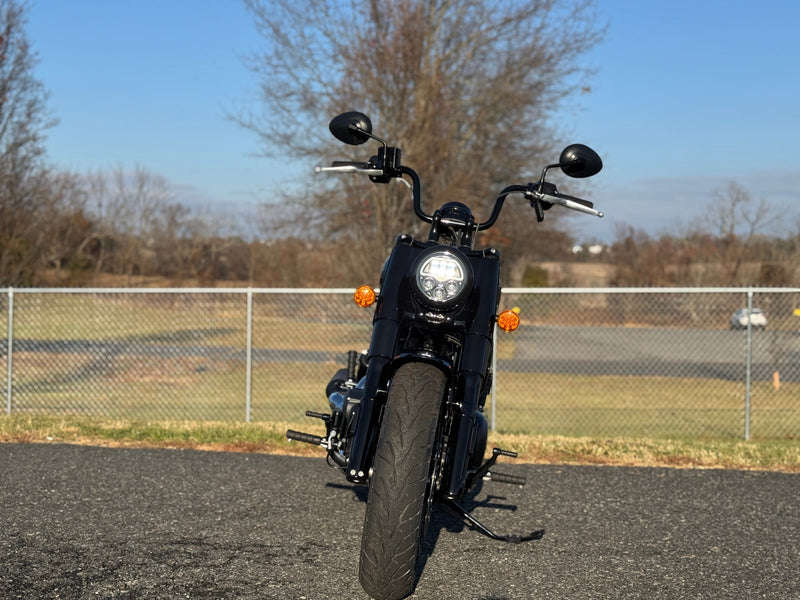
(536, 198)
(536, 203)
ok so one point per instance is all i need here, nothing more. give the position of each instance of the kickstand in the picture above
(458, 511)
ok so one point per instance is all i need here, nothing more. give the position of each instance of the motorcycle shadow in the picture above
(440, 520)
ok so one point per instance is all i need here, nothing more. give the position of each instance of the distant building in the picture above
(594, 249)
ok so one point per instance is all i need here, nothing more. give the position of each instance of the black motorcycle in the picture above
(407, 415)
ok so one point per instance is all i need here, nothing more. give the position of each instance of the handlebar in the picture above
(531, 191)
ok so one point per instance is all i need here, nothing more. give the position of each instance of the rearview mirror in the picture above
(580, 161)
(353, 128)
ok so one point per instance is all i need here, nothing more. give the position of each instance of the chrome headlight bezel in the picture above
(441, 277)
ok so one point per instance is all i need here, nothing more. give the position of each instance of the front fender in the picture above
(444, 364)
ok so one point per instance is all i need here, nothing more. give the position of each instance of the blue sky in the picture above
(688, 96)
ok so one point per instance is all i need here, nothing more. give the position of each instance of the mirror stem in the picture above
(356, 128)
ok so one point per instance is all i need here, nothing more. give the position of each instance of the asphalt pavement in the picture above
(655, 352)
(87, 522)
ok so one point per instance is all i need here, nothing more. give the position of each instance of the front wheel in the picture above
(400, 487)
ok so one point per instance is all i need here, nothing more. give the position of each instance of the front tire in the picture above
(400, 486)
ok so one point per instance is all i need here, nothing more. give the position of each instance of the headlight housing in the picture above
(441, 278)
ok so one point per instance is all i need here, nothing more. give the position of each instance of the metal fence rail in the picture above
(599, 362)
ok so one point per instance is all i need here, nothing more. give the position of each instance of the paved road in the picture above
(83, 522)
(654, 351)
(646, 351)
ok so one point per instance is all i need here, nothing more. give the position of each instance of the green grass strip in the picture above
(268, 437)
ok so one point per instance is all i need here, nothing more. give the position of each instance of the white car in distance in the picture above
(756, 317)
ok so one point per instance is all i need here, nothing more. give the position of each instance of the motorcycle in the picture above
(406, 416)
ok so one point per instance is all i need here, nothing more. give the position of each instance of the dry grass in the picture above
(769, 455)
(766, 455)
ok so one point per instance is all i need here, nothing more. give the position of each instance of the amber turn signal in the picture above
(364, 296)
(508, 320)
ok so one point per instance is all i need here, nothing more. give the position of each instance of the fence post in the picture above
(748, 368)
(10, 349)
(249, 357)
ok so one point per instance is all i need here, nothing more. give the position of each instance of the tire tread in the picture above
(398, 491)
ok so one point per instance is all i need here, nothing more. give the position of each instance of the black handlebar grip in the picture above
(304, 437)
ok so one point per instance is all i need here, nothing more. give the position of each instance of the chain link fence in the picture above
(585, 362)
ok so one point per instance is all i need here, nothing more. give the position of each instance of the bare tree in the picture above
(23, 119)
(63, 230)
(131, 209)
(737, 219)
(467, 89)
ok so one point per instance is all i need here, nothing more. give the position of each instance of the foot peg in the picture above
(503, 478)
(308, 438)
(316, 415)
(485, 472)
(498, 452)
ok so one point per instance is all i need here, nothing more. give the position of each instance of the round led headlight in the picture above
(442, 278)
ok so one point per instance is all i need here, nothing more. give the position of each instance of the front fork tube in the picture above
(474, 361)
(470, 383)
(357, 467)
(381, 349)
